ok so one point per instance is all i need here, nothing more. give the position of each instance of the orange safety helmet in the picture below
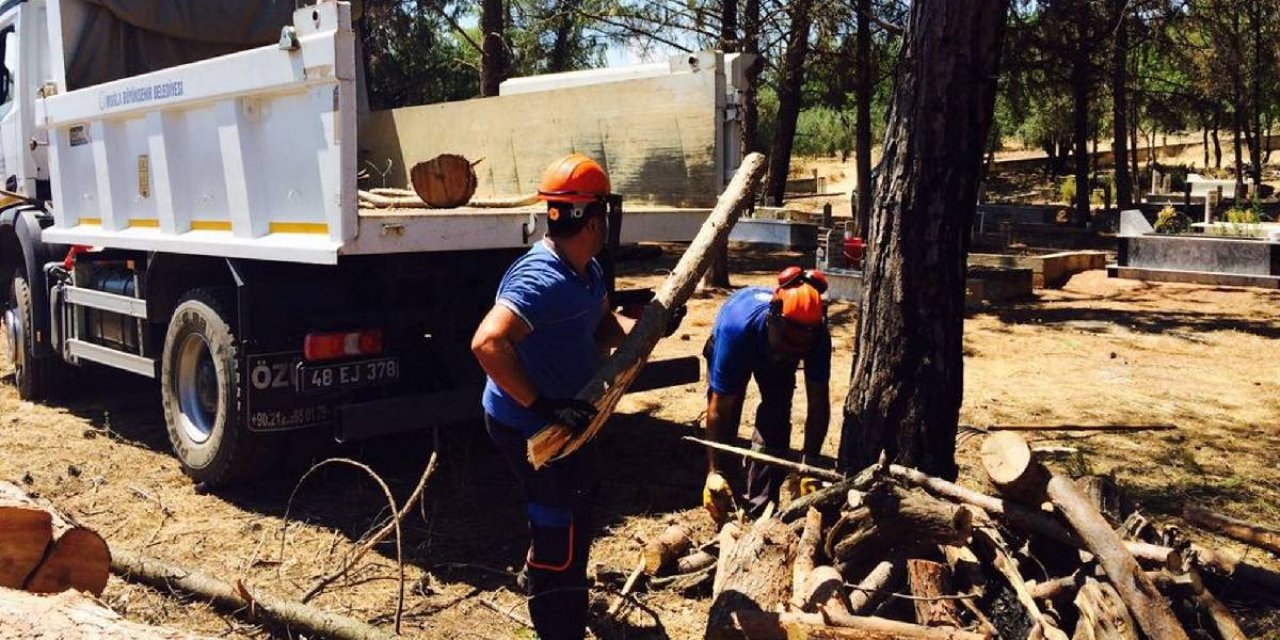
(574, 178)
(798, 298)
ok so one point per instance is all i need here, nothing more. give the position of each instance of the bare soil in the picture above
(1099, 351)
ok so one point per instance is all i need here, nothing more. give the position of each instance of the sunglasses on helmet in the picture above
(795, 276)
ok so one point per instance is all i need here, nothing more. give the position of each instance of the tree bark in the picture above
(566, 22)
(757, 578)
(1223, 621)
(72, 615)
(790, 100)
(728, 539)
(1103, 615)
(908, 373)
(618, 372)
(1120, 105)
(236, 598)
(1081, 79)
(930, 580)
(751, 92)
(42, 550)
(806, 556)
(1246, 532)
(895, 517)
(717, 275)
(864, 92)
(493, 43)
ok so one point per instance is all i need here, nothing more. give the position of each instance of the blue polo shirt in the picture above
(740, 344)
(563, 310)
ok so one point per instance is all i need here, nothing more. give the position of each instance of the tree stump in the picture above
(444, 182)
(757, 576)
(72, 616)
(66, 555)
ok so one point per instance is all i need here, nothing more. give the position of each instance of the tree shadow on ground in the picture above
(1142, 321)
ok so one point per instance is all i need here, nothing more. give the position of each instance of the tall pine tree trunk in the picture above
(493, 58)
(559, 59)
(1080, 134)
(908, 372)
(865, 91)
(750, 93)
(790, 92)
(717, 274)
(1255, 30)
(1120, 107)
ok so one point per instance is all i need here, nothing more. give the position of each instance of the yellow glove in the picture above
(717, 498)
(809, 485)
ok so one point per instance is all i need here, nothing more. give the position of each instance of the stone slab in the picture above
(1050, 271)
(795, 236)
(1203, 254)
(1193, 277)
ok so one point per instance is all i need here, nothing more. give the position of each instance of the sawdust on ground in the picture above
(1099, 351)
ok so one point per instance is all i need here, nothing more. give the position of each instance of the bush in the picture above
(1171, 220)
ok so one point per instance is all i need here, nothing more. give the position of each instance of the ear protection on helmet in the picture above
(795, 276)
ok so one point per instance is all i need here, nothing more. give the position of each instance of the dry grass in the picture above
(1099, 351)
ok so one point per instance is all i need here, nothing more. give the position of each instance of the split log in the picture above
(445, 181)
(764, 625)
(67, 555)
(662, 552)
(1103, 615)
(72, 615)
(1225, 623)
(1012, 467)
(929, 582)
(237, 599)
(727, 539)
(824, 592)
(757, 578)
(874, 588)
(806, 556)
(1246, 532)
(613, 378)
(798, 467)
(891, 516)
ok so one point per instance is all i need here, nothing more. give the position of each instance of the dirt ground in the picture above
(1099, 351)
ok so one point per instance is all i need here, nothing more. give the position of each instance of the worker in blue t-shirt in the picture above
(766, 333)
(540, 345)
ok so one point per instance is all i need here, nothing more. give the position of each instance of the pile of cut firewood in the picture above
(895, 553)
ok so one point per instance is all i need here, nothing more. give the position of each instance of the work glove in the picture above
(798, 486)
(674, 319)
(717, 498)
(571, 413)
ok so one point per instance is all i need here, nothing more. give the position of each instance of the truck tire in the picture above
(202, 395)
(34, 377)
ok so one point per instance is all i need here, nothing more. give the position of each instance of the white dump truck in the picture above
(181, 202)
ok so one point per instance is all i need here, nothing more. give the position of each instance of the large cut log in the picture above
(931, 585)
(757, 578)
(617, 373)
(67, 555)
(806, 556)
(1247, 532)
(728, 541)
(237, 599)
(445, 181)
(664, 551)
(1103, 615)
(765, 625)
(1012, 467)
(890, 516)
(72, 615)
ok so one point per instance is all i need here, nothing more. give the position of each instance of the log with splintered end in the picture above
(663, 552)
(611, 381)
(929, 582)
(1009, 463)
(727, 539)
(806, 554)
(824, 591)
(1103, 615)
(757, 576)
(72, 615)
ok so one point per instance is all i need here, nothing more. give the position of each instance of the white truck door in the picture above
(10, 114)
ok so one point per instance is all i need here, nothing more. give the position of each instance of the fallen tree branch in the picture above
(798, 467)
(1246, 532)
(236, 599)
(613, 378)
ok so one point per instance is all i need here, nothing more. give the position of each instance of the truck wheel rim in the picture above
(197, 389)
(13, 339)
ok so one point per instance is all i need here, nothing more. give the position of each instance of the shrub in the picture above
(1171, 220)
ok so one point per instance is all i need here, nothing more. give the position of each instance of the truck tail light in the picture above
(346, 344)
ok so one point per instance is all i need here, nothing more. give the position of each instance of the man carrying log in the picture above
(539, 345)
(766, 333)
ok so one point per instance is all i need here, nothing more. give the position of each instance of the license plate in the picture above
(349, 375)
